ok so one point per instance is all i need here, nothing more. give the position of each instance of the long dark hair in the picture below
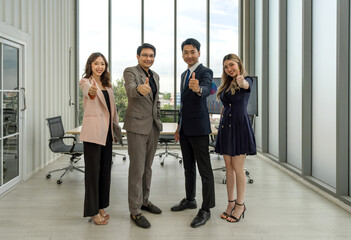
(105, 76)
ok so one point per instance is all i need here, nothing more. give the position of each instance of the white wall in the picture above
(47, 31)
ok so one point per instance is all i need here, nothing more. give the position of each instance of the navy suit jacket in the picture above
(194, 119)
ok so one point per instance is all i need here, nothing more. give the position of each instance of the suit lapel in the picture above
(182, 87)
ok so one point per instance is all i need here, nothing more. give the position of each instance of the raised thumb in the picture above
(238, 71)
(193, 76)
(147, 81)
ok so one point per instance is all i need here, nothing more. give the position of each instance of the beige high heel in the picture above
(98, 220)
(105, 215)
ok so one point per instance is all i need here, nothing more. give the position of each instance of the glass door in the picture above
(10, 114)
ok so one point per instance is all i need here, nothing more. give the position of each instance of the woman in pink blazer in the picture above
(97, 136)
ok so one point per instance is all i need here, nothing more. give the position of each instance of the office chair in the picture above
(124, 156)
(166, 139)
(212, 144)
(57, 145)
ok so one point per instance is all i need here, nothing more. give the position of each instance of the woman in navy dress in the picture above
(235, 137)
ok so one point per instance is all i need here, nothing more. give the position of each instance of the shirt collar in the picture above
(147, 74)
(192, 68)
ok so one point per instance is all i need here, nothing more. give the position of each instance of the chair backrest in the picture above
(169, 115)
(56, 131)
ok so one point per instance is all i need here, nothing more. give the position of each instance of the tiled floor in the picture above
(278, 207)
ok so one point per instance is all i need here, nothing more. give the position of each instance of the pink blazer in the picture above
(96, 115)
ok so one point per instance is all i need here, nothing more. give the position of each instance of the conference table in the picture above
(166, 134)
(168, 129)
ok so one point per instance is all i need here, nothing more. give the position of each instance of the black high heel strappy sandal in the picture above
(225, 215)
(233, 219)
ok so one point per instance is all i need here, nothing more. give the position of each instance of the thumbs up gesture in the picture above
(92, 90)
(144, 89)
(240, 79)
(194, 84)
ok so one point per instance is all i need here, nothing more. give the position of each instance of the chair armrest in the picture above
(56, 138)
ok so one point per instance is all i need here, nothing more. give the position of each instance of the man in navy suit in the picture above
(193, 132)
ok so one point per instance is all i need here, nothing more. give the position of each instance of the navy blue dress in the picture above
(235, 133)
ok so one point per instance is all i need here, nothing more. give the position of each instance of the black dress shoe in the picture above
(140, 221)
(184, 204)
(151, 208)
(201, 218)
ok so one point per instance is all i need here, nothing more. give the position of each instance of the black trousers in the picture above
(98, 161)
(195, 150)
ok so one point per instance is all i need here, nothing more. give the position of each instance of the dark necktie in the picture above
(187, 78)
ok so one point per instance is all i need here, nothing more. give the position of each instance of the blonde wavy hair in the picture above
(228, 80)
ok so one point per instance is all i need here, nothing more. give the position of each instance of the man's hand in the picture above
(194, 84)
(92, 90)
(144, 89)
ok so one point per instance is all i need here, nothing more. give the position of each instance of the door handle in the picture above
(24, 99)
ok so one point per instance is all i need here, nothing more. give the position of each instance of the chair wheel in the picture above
(124, 158)
(59, 181)
(224, 181)
(180, 161)
(247, 173)
(48, 176)
(162, 163)
(251, 181)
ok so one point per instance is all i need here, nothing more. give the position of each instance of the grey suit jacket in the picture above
(141, 111)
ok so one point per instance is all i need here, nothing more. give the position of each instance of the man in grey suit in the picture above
(143, 125)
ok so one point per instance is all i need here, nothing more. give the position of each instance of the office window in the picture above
(93, 35)
(191, 23)
(294, 83)
(223, 32)
(350, 115)
(126, 35)
(126, 38)
(93, 30)
(324, 91)
(161, 35)
(273, 144)
(258, 68)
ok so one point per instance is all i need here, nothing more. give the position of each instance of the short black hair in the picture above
(191, 41)
(146, 45)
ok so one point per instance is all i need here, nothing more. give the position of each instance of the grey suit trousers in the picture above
(141, 150)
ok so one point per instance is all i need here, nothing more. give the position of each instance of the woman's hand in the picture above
(92, 91)
(240, 80)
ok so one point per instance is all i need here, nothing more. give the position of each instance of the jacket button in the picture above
(230, 125)
(230, 114)
(222, 126)
(222, 115)
(230, 104)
